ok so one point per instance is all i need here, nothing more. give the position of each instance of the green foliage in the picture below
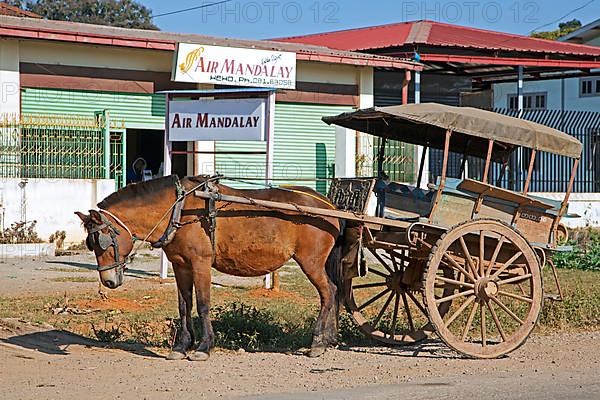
(564, 28)
(108, 335)
(585, 254)
(77, 246)
(20, 232)
(121, 13)
(240, 326)
(58, 237)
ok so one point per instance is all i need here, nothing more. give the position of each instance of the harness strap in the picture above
(98, 228)
(113, 216)
(212, 226)
(174, 224)
(175, 220)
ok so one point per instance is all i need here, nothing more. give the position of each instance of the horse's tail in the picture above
(334, 267)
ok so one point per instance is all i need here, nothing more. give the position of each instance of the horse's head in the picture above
(111, 242)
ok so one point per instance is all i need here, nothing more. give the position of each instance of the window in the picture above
(589, 87)
(531, 101)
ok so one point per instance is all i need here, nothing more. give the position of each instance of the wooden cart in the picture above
(462, 257)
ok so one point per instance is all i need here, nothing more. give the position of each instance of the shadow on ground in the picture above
(58, 342)
(134, 273)
(430, 348)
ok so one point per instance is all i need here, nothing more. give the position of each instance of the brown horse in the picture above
(197, 234)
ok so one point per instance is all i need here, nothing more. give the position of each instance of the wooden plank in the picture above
(323, 212)
(493, 191)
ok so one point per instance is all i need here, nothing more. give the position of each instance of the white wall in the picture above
(310, 71)
(85, 55)
(586, 205)
(553, 88)
(10, 94)
(52, 203)
(366, 100)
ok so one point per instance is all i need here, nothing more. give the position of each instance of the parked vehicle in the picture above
(462, 257)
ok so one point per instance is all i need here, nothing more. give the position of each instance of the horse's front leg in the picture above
(184, 339)
(202, 281)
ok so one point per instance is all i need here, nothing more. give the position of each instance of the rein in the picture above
(105, 240)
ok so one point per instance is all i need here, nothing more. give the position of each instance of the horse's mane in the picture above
(138, 190)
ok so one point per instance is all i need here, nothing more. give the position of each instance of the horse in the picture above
(197, 235)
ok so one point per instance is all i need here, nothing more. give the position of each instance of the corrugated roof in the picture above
(158, 40)
(438, 34)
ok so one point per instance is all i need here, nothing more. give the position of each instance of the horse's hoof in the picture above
(317, 351)
(198, 356)
(176, 355)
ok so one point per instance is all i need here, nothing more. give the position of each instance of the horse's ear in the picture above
(95, 217)
(84, 218)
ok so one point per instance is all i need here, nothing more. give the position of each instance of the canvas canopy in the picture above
(427, 123)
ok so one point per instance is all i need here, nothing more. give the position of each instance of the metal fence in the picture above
(60, 147)
(551, 172)
(399, 160)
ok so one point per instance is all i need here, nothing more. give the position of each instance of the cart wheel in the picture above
(386, 304)
(497, 288)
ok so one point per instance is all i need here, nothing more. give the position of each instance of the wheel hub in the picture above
(394, 282)
(485, 288)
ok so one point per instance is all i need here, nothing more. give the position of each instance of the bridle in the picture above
(105, 240)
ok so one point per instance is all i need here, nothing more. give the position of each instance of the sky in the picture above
(260, 19)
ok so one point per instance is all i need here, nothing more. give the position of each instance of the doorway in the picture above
(147, 144)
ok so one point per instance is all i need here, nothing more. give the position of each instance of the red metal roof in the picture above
(439, 34)
(65, 31)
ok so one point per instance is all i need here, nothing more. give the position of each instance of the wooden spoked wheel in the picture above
(497, 288)
(386, 304)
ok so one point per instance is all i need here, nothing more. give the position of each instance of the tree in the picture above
(121, 13)
(564, 28)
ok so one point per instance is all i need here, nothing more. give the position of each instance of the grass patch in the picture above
(255, 320)
(580, 309)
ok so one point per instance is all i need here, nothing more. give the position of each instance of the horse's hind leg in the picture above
(185, 337)
(325, 333)
(202, 281)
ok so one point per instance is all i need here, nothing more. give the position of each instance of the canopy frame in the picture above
(426, 124)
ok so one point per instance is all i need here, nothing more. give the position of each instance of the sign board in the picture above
(233, 66)
(217, 119)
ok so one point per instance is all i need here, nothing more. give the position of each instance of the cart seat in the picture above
(470, 187)
(486, 189)
(407, 202)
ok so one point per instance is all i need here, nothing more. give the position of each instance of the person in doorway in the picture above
(136, 173)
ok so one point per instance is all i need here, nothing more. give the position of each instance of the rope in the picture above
(184, 194)
(169, 210)
(113, 216)
(282, 187)
(322, 200)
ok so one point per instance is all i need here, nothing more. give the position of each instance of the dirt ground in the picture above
(40, 362)
(35, 276)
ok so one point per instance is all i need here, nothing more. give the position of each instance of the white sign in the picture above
(234, 66)
(223, 119)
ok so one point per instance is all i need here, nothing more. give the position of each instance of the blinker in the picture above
(104, 240)
(88, 243)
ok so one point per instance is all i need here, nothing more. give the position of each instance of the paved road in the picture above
(577, 385)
